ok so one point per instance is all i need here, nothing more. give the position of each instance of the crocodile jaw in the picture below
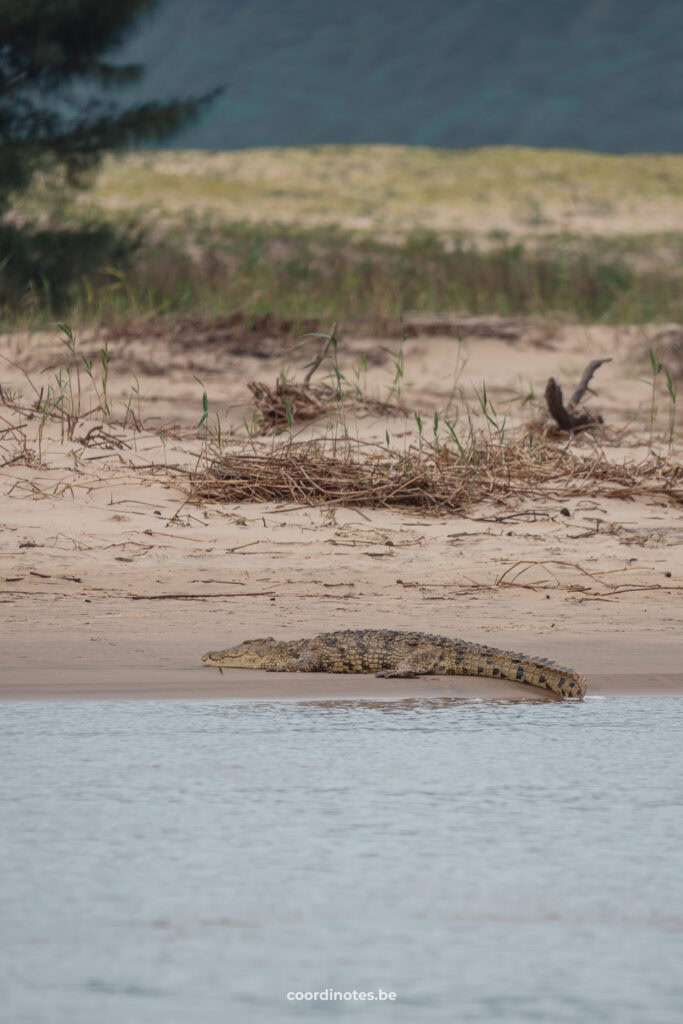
(233, 659)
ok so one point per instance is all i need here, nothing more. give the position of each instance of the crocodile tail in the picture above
(521, 668)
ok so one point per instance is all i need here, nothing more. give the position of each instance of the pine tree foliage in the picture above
(56, 84)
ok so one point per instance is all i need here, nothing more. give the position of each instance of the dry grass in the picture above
(287, 404)
(431, 478)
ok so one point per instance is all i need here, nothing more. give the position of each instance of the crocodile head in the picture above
(249, 654)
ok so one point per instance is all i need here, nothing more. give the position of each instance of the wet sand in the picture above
(189, 684)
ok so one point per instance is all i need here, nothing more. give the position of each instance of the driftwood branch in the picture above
(582, 386)
(565, 417)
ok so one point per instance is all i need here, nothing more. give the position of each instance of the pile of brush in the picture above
(287, 404)
(432, 478)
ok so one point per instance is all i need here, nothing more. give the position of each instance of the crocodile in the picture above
(390, 653)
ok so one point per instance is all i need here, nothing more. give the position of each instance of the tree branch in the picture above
(582, 386)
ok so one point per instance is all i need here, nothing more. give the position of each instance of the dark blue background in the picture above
(596, 74)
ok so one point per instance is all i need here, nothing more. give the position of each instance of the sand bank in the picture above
(207, 684)
(113, 585)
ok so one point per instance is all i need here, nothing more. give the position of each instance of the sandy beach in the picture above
(113, 585)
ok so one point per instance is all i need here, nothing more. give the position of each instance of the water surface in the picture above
(173, 861)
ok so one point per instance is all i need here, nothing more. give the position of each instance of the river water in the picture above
(206, 861)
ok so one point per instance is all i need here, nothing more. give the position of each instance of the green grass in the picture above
(337, 231)
(327, 273)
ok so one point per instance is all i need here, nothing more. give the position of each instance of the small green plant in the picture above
(328, 353)
(63, 397)
(360, 371)
(418, 420)
(205, 403)
(135, 417)
(524, 397)
(671, 390)
(490, 413)
(656, 368)
(204, 420)
(468, 450)
(162, 437)
(460, 364)
(398, 360)
(288, 414)
(105, 359)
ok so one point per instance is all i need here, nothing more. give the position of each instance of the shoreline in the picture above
(202, 684)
